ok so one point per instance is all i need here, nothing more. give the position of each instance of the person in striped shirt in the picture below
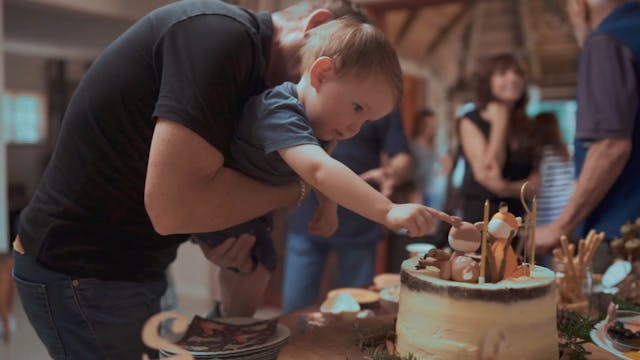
(556, 169)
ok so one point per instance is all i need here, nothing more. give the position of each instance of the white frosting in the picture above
(539, 276)
(436, 326)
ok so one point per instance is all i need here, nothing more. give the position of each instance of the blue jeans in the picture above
(83, 318)
(305, 259)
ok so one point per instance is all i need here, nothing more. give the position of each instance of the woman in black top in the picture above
(496, 142)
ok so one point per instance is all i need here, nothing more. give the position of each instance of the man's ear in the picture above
(318, 17)
(320, 70)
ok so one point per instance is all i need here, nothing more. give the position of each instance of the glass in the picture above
(587, 282)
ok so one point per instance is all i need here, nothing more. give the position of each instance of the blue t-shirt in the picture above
(272, 121)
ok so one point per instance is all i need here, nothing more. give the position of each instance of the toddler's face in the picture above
(339, 106)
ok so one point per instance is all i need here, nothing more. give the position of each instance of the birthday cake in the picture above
(445, 319)
(465, 306)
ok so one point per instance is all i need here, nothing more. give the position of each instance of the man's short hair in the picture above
(356, 48)
(339, 8)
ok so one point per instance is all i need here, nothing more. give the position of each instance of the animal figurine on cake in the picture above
(503, 227)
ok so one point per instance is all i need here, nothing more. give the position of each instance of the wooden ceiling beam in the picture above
(445, 30)
(405, 4)
(406, 25)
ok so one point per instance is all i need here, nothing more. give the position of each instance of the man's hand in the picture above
(234, 253)
(382, 177)
(547, 238)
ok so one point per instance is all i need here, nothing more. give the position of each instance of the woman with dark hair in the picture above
(556, 169)
(495, 140)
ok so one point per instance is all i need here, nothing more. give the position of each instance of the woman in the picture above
(496, 142)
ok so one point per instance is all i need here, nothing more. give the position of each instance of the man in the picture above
(139, 165)
(607, 147)
(356, 237)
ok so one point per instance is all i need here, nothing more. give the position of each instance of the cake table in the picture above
(334, 341)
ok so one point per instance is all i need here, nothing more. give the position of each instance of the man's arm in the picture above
(603, 164)
(187, 189)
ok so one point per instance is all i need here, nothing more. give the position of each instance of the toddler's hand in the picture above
(324, 221)
(415, 218)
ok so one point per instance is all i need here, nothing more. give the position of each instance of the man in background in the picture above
(607, 140)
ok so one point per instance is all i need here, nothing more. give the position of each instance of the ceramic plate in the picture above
(599, 337)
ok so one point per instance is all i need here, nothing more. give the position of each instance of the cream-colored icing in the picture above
(436, 326)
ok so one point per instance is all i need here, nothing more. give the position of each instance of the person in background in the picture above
(556, 169)
(607, 139)
(496, 141)
(356, 238)
(556, 174)
(425, 155)
(139, 165)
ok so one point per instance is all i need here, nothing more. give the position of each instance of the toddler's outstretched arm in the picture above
(340, 184)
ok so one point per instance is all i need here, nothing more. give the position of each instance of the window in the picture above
(23, 118)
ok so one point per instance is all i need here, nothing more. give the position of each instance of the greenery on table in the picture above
(574, 331)
(377, 342)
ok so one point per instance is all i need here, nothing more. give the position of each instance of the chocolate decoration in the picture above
(507, 295)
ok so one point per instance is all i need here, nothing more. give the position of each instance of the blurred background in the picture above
(47, 45)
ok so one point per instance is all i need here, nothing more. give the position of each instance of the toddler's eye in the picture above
(357, 108)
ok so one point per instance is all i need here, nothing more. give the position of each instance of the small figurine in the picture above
(503, 226)
(439, 259)
(628, 246)
(464, 269)
(464, 238)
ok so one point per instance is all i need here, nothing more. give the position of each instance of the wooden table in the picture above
(334, 341)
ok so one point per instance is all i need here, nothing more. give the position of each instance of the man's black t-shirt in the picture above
(194, 62)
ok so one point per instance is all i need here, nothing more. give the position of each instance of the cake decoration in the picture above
(629, 244)
(449, 303)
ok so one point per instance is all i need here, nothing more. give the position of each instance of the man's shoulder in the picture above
(177, 12)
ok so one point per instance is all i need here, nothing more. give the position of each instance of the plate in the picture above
(275, 342)
(599, 337)
(384, 280)
(362, 296)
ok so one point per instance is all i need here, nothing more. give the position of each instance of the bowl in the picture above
(362, 296)
(340, 303)
(389, 297)
(418, 249)
(384, 280)
(624, 330)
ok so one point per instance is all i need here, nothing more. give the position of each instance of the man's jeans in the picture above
(83, 318)
(305, 261)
